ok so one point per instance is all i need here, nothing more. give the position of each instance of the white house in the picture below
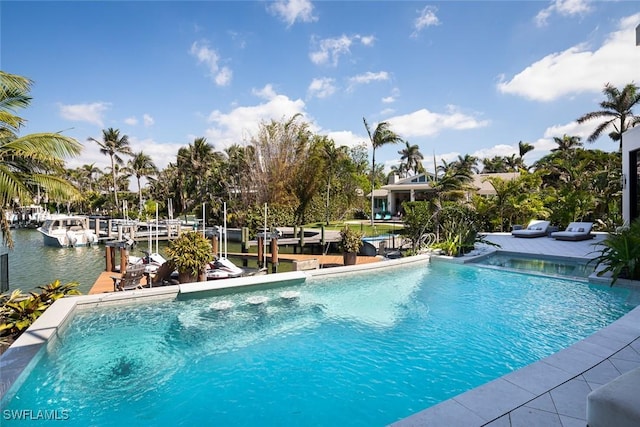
(389, 198)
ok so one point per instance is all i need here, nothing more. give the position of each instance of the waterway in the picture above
(32, 264)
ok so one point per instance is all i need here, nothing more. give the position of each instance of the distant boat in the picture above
(30, 216)
(64, 231)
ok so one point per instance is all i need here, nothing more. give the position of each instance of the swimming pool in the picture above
(365, 349)
(539, 264)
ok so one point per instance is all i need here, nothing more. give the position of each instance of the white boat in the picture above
(64, 231)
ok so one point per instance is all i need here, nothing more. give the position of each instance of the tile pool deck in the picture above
(552, 391)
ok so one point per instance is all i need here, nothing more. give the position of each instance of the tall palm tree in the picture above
(616, 112)
(113, 145)
(413, 157)
(566, 143)
(496, 164)
(381, 136)
(524, 148)
(30, 161)
(141, 165)
(467, 164)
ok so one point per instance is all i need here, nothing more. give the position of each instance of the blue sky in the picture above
(455, 77)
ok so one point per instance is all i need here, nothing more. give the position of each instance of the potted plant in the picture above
(351, 242)
(190, 253)
(620, 254)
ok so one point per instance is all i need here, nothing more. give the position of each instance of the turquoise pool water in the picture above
(365, 349)
(538, 264)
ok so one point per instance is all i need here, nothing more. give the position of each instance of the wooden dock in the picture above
(104, 282)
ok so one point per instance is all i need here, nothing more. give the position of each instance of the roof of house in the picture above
(484, 187)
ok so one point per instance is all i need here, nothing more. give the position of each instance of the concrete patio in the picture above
(552, 391)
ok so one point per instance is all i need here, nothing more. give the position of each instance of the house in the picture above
(631, 174)
(389, 198)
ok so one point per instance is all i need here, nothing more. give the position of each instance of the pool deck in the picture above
(552, 391)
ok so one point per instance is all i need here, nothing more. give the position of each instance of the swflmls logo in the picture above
(31, 415)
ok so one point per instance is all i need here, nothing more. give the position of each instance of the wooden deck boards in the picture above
(104, 282)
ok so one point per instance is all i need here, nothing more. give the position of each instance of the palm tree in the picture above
(616, 111)
(141, 165)
(524, 148)
(114, 145)
(566, 143)
(30, 161)
(413, 157)
(332, 156)
(467, 164)
(381, 136)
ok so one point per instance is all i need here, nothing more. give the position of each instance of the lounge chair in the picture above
(535, 228)
(575, 231)
(131, 279)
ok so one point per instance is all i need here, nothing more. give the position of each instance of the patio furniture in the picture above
(130, 279)
(616, 403)
(575, 231)
(536, 228)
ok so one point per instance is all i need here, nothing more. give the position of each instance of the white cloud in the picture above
(329, 51)
(395, 93)
(321, 87)
(267, 92)
(346, 138)
(578, 69)
(210, 58)
(148, 120)
(369, 77)
(496, 150)
(238, 125)
(90, 113)
(131, 121)
(426, 18)
(427, 123)
(291, 11)
(563, 8)
(367, 40)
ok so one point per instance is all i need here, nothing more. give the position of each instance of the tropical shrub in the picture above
(18, 311)
(620, 254)
(350, 240)
(459, 228)
(418, 220)
(191, 252)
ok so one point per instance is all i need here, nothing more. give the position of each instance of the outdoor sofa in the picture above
(575, 231)
(535, 228)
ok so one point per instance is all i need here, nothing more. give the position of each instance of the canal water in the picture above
(32, 264)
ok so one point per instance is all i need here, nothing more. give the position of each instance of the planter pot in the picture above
(349, 258)
(184, 277)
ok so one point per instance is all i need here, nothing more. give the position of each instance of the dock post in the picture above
(214, 243)
(301, 239)
(245, 246)
(322, 239)
(260, 251)
(96, 227)
(123, 259)
(274, 254)
(295, 234)
(110, 261)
